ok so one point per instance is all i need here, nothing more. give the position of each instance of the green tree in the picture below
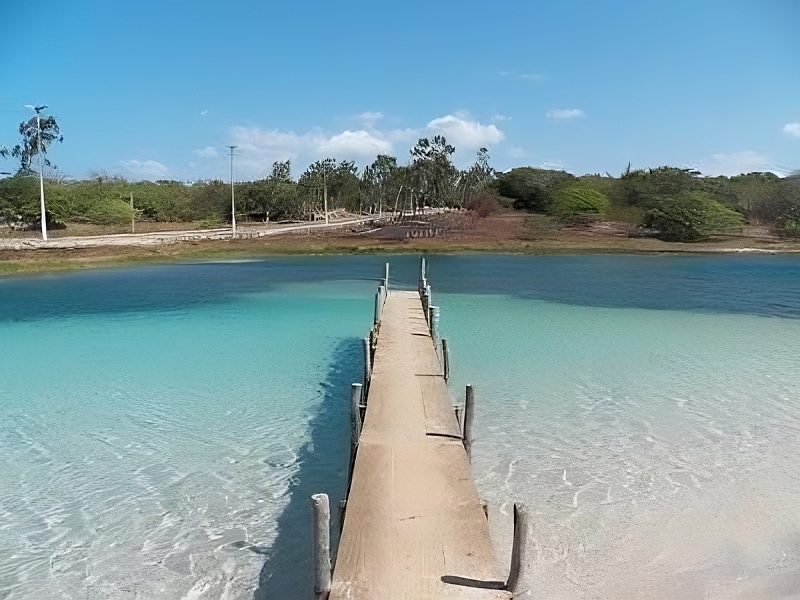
(433, 174)
(691, 216)
(37, 134)
(575, 203)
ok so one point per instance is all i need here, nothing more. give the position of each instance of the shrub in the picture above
(577, 203)
(484, 203)
(692, 216)
(531, 188)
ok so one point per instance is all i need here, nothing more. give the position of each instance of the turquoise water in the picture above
(162, 428)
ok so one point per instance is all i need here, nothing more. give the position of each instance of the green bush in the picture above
(692, 216)
(531, 188)
(576, 203)
(19, 201)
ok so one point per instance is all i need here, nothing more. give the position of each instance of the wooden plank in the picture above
(413, 515)
(440, 419)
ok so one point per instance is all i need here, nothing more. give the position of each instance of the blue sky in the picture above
(158, 89)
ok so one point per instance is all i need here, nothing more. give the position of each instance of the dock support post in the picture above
(355, 397)
(445, 360)
(322, 545)
(386, 278)
(517, 546)
(380, 296)
(469, 415)
(434, 323)
(421, 284)
(367, 362)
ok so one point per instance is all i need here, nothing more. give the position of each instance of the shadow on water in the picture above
(288, 571)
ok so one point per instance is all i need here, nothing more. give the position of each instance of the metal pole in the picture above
(233, 198)
(325, 192)
(41, 173)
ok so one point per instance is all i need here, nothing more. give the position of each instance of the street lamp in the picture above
(38, 110)
(233, 199)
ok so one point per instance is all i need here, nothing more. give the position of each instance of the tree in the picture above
(433, 173)
(36, 138)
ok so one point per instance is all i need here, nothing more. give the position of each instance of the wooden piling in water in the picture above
(355, 399)
(367, 362)
(322, 545)
(386, 278)
(434, 323)
(517, 546)
(469, 415)
(445, 360)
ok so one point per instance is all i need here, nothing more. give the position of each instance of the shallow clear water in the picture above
(162, 428)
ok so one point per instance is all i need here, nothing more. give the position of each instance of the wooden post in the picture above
(445, 360)
(517, 546)
(355, 397)
(469, 415)
(460, 418)
(367, 363)
(434, 323)
(322, 545)
(379, 304)
(386, 278)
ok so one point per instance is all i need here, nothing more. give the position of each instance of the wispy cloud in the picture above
(553, 165)
(203, 113)
(259, 148)
(140, 169)
(565, 114)
(736, 163)
(207, 152)
(522, 76)
(792, 129)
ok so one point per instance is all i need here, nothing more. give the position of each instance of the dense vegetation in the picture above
(677, 204)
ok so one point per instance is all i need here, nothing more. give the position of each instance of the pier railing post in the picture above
(517, 546)
(434, 324)
(386, 278)
(322, 545)
(469, 415)
(380, 297)
(367, 362)
(445, 360)
(355, 397)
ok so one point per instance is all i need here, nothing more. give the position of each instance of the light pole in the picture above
(233, 199)
(38, 109)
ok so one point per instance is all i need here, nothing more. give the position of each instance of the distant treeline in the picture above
(429, 179)
(678, 204)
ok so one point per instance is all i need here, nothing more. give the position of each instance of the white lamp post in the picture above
(233, 201)
(38, 109)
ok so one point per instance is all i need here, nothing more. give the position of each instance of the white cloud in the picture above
(207, 152)
(553, 165)
(466, 134)
(259, 148)
(735, 163)
(141, 169)
(565, 114)
(529, 76)
(203, 113)
(517, 152)
(792, 129)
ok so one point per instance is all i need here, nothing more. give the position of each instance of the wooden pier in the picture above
(414, 526)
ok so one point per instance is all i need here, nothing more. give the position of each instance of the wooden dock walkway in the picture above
(414, 527)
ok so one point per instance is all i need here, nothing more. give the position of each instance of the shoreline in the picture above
(453, 233)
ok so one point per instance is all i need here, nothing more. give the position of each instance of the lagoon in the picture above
(161, 428)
